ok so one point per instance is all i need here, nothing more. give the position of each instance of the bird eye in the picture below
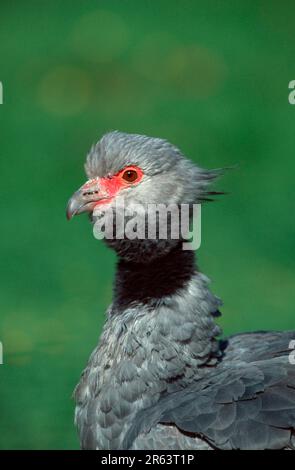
(130, 176)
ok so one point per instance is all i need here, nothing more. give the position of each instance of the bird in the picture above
(162, 376)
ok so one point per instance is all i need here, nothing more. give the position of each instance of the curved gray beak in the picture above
(75, 204)
(85, 199)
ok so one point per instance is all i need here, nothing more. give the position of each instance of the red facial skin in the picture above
(110, 186)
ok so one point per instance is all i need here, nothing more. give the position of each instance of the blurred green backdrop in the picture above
(210, 76)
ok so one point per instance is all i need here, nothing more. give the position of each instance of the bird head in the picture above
(140, 170)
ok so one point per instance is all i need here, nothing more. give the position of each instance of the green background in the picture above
(210, 76)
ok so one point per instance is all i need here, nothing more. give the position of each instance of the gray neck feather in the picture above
(160, 334)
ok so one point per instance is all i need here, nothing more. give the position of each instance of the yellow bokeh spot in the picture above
(195, 70)
(186, 69)
(16, 341)
(66, 90)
